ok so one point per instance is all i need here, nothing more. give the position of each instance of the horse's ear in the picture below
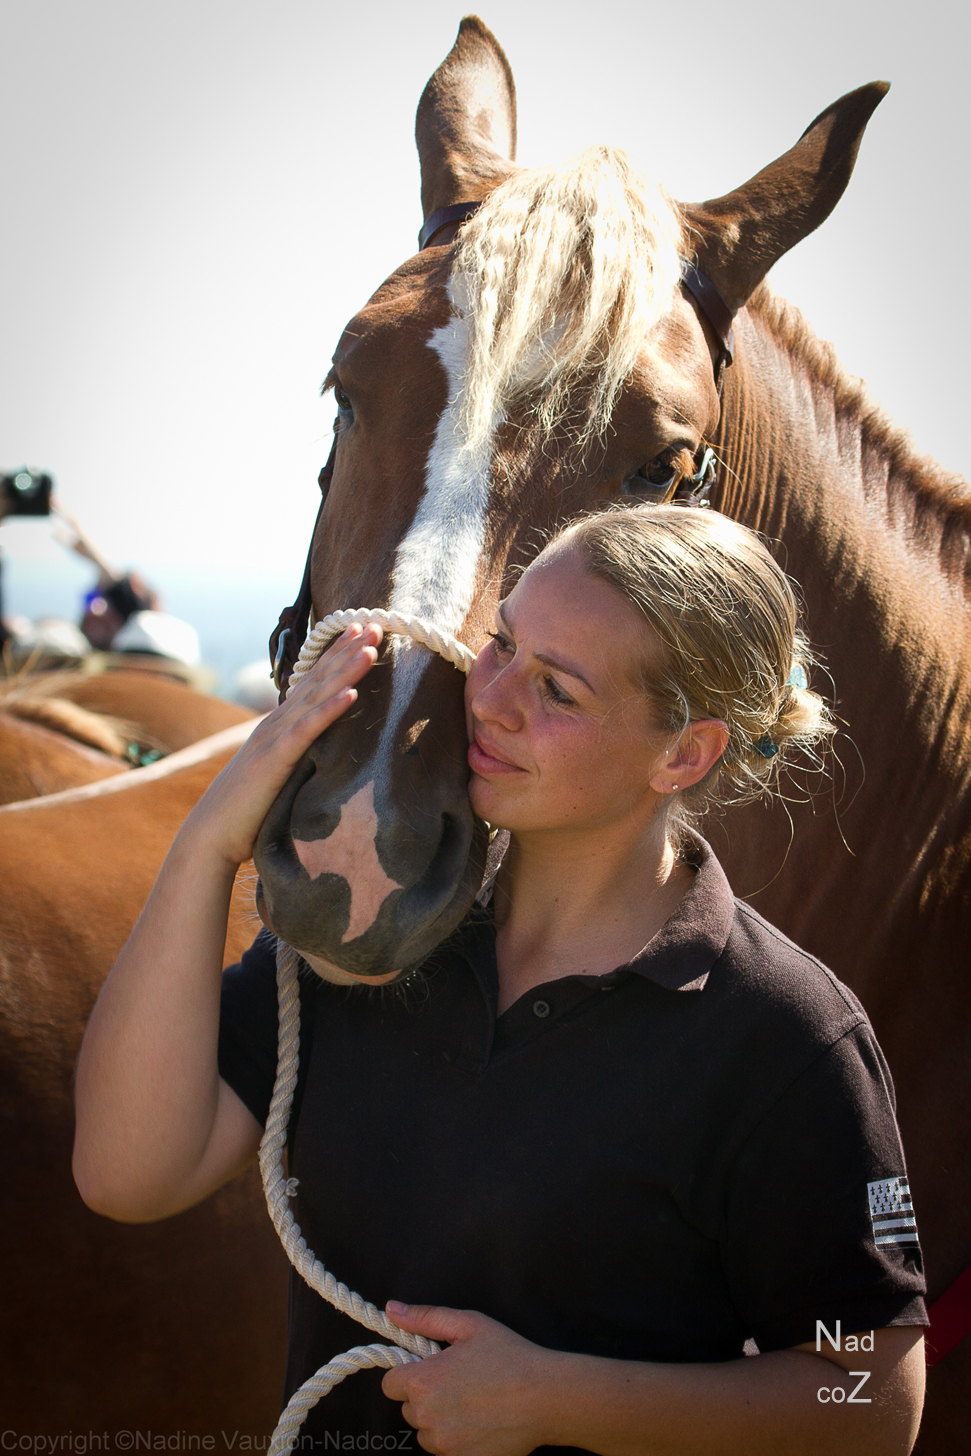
(743, 233)
(466, 123)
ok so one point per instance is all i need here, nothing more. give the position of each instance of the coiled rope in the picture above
(279, 1189)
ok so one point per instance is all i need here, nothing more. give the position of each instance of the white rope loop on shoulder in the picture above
(398, 624)
(279, 1189)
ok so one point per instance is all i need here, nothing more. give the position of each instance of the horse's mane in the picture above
(937, 489)
(561, 276)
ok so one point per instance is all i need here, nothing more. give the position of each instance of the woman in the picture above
(619, 1125)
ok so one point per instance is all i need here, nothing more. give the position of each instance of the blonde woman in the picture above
(618, 1125)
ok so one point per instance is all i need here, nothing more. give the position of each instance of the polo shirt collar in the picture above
(682, 954)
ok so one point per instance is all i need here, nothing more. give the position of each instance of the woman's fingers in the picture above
(233, 809)
(341, 663)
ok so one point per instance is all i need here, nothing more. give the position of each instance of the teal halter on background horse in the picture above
(551, 307)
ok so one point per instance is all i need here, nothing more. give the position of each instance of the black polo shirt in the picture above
(654, 1164)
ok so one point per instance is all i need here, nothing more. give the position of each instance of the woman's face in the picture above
(561, 738)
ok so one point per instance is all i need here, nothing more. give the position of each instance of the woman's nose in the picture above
(496, 699)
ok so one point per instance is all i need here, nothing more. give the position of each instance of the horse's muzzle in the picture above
(371, 874)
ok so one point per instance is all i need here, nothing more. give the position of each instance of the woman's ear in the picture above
(696, 752)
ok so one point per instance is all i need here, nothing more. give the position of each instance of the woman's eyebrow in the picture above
(556, 663)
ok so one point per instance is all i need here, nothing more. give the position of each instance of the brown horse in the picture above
(164, 710)
(548, 306)
(59, 730)
(39, 759)
(174, 1327)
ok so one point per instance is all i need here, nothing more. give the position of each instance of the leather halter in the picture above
(715, 310)
(291, 630)
(442, 218)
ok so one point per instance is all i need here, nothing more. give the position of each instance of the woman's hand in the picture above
(229, 815)
(483, 1396)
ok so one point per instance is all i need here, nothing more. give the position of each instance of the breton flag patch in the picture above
(891, 1212)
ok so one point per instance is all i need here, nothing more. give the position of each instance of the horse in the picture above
(36, 759)
(565, 338)
(59, 730)
(113, 1328)
(162, 709)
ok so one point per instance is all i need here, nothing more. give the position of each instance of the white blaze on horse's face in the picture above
(437, 564)
(435, 573)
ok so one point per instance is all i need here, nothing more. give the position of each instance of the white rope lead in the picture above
(396, 623)
(279, 1189)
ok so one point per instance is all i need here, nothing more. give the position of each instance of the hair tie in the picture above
(765, 746)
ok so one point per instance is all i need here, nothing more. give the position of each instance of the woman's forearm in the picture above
(495, 1393)
(148, 1090)
(769, 1405)
(156, 1128)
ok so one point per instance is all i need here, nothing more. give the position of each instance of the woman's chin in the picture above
(488, 802)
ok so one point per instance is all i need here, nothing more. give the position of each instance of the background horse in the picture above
(166, 711)
(108, 1327)
(38, 758)
(559, 312)
(59, 730)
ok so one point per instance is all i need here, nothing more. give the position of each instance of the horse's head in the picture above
(548, 360)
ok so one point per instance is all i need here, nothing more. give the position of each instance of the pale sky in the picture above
(197, 195)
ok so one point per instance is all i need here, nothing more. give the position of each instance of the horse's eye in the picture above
(343, 404)
(654, 481)
(662, 469)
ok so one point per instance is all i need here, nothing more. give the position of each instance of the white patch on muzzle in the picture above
(351, 852)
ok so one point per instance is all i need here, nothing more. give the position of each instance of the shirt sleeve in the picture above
(248, 1026)
(819, 1218)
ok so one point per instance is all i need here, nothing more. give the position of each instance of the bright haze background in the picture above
(197, 196)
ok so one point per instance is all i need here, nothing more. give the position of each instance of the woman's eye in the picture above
(555, 694)
(501, 643)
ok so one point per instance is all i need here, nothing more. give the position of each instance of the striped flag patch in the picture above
(891, 1212)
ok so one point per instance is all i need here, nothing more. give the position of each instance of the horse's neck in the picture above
(877, 537)
(882, 559)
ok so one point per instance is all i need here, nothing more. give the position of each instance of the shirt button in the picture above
(541, 1008)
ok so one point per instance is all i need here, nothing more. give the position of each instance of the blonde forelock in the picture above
(562, 276)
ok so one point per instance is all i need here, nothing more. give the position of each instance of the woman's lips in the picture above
(484, 759)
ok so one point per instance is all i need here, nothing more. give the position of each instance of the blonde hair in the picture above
(562, 276)
(726, 619)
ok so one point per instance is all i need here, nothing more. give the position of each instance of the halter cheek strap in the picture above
(715, 310)
(291, 629)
